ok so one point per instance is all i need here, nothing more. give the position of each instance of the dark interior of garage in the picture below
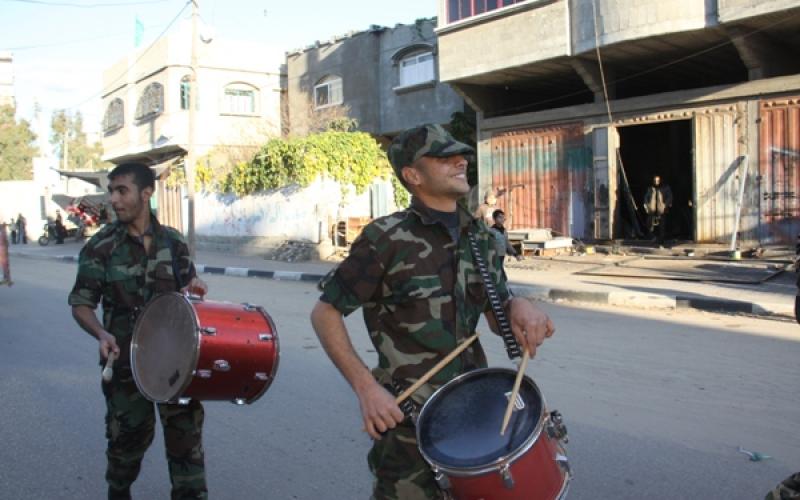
(663, 149)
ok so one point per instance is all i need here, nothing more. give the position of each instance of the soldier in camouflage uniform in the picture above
(788, 489)
(413, 274)
(125, 265)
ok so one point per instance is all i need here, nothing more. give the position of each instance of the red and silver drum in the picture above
(185, 348)
(458, 434)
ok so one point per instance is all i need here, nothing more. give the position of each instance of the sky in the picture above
(61, 47)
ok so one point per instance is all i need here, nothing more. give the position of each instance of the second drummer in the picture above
(125, 265)
(414, 276)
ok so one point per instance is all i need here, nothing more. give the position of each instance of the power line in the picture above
(89, 5)
(145, 51)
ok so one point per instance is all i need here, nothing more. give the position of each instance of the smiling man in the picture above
(126, 264)
(413, 274)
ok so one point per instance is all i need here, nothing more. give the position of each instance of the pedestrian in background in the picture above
(657, 204)
(61, 231)
(4, 266)
(13, 226)
(501, 242)
(486, 208)
(21, 236)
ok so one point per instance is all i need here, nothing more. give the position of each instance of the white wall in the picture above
(292, 213)
(22, 197)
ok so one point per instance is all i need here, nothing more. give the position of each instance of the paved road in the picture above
(656, 404)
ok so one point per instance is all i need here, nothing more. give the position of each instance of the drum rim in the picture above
(195, 353)
(500, 462)
(275, 338)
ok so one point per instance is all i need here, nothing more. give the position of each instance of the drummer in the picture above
(125, 265)
(414, 276)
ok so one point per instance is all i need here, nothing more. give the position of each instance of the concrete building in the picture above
(7, 79)
(581, 102)
(146, 98)
(385, 78)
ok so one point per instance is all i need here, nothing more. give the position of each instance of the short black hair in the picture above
(143, 176)
(497, 213)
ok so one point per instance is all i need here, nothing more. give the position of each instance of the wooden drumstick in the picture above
(433, 371)
(514, 391)
(108, 371)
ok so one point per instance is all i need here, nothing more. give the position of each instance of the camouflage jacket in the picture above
(420, 291)
(113, 266)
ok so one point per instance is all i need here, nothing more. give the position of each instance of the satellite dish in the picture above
(207, 33)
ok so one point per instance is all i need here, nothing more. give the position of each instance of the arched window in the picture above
(328, 92)
(151, 103)
(416, 68)
(114, 119)
(240, 99)
(186, 86)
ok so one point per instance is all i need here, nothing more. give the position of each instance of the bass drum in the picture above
(458, 434)
(186, 348)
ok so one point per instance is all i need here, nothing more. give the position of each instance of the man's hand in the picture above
(530, 325)
(379, 410)
(196, 287)
(107, 344)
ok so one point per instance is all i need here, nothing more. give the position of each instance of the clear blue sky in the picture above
(61, 47)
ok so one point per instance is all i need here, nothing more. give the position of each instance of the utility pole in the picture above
(190, 156)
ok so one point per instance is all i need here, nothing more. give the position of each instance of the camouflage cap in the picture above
(425, 140)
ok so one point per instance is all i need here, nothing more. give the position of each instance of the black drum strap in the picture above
(512, 347)
(176, 272)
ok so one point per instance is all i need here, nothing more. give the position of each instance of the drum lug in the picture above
(508, 479)
(563, 462)
(222, 365)
(239, 401)
(249, 307)
(261, 376)
(209, 330)
(184, 401)
(203, 373)
(556, 428)
(264, 337)
(441, 480)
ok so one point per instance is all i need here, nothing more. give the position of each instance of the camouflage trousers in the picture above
(130, 428)
(788, 489)
(399, 469)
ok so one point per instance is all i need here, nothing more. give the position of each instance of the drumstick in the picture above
(108, 371)
(433, 371)
(514, 391)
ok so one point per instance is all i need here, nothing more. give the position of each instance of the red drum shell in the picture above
(203, 349)
(458, 434)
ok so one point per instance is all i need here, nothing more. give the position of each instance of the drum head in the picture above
(459, 426)
(164, 348)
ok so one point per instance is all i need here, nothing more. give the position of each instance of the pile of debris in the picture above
(292, 251)
(541, 242)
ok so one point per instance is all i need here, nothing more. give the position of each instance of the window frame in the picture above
(241, 88)
(114, 117)
(416, 55)
(151, 102)
(335, 87)
(477, 8)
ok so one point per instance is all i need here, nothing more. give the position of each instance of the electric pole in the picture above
(190, 156)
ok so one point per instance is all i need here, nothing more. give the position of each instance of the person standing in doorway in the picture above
(657, 204)
(501, 241)
(125, 265)
(13, 226)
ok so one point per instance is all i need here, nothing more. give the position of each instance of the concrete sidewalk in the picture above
(549, 279)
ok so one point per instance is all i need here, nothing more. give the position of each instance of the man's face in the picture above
(656, 180)
(442, 177)
(126, 199)
(500, 219)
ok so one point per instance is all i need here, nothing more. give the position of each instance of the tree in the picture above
(17, 146)
(80, 154)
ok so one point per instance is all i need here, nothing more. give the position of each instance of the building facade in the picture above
(147, 94)
(582, 102)
(384, 78)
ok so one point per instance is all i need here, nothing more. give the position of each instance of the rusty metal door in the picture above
(541, 177)
(779, 161)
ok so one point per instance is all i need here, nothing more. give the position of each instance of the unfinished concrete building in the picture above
(582, 102)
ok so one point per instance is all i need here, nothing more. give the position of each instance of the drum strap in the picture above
(176, 272)
(512, 347)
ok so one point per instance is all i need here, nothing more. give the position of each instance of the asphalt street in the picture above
(656, 403)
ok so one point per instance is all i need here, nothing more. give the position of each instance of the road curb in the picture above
(536, 292)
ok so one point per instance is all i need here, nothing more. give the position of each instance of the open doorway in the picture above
(663, 149)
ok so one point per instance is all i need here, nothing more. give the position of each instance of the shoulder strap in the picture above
(176, 272)
(512, 347)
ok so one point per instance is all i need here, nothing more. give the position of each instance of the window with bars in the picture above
(463, 9)
(416, 68)
(114, 119)
(151, 102)
(239, 99)
(328, 92)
